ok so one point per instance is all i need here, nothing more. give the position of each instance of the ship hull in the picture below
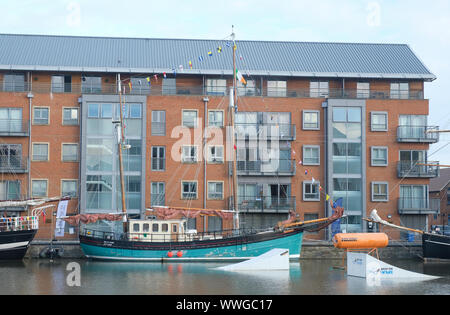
(14, 244)
(436, 246)
(232, 248)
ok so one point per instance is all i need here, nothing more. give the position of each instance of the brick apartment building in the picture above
(350, 122)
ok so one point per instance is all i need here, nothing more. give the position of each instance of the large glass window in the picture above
(347, 123)
(379, 156)
(379, 121)
(311, 155)
(99, 154)
(91, 85)
(215, 118)
(10, 190)
(311, 120)
(70, 152)
(276, 88)
(40, 151)
(189, 118)
(70, 116)
(319, 89)
(158, 123)
(216, 87)
(69, 188)
(14, 82)
(347, 158)
(363, 90)
(350, 190)
(158, 194)
(41, 115)
(399, 90)
(311, 191)
(99, 192)
(215, 190)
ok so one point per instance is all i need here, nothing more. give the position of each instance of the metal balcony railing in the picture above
(265, 131)
(14, 128)
(418, 205)
(254, 204)
(13, 164)
(266, 168)
(420, 134)
(418, 169)
(144, 89)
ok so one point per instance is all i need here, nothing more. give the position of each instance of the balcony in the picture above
(418, 169)
(264, 131)
(418, 134)
(266, 168)
(418, 206)
(253, 204)
(144, 89)
(14, 128)
(13, 165)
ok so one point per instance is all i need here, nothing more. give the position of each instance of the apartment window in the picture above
(158, 194)
(70, 152)
(14, 83)
(215, 190)
(91, 84)
(347, 123)
(39, 187)
(216, 87)
(246, 90)
(70, 116)
(10, 190)
(311, 120)
(380, 191)
(311, 191)
(363, 90)
(189, 154)
(399, 90)
(69, 188)
(158, 158)
(189, 190)
(311, 155)
(11, 120)
(215, 118)
(379, 121)
(379, 156)
(61, 83)
(40, 151)
(189, 118)
(414, 197)
(169, 86)
(215, 154)
(158, 123)
(41, 115)
(347, 158)
(319, 89)
(276, 88)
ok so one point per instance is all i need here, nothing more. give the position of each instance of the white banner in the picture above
(61, 212)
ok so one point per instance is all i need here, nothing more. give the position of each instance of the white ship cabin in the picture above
(160, 231)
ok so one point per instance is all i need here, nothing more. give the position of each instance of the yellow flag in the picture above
(328, 197)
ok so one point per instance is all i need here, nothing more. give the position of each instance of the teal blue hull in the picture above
(110, 250)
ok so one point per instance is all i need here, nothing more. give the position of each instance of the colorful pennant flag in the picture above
(219, 49)
(306, 172)
(164, 74)
(200, 58)
(190, 64)
(210, 53)
(156, 77)
(148, 80)
(130, 85)
(328, 197)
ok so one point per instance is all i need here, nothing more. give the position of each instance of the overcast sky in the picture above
(424, 25)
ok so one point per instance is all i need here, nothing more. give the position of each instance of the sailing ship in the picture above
(16, 233)
(434, 246)
(164, 234)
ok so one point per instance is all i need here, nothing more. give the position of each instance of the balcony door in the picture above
(413, 126)
(10, 156)
(414, 196)
(409, 161)
(10, 120)
(279, 196)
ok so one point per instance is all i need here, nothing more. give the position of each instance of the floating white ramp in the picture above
(276, 259)
(363, 265)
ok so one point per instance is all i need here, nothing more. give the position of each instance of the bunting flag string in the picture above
(201, 59)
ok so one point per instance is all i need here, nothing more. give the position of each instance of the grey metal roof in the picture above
(141, 55)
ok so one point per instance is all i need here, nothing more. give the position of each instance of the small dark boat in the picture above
(16, 235)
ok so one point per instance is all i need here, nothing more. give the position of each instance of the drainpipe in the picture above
(30, 101)
(204, 152)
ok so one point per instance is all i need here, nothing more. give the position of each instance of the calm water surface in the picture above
(315, 277)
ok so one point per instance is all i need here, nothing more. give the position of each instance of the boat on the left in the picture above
(16, 233)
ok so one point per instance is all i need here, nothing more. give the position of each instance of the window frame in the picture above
(39, 180)
(304, 127)
(373, 184)
(77, 152)
(33, 149)
(183, 197)
(372, 128)
(183, 122)
(215, 197)
(76, 187)
(315, 183)
(35, 123)
(312, 147)
(372, 149)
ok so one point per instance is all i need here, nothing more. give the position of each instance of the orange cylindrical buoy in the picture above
(360, 240)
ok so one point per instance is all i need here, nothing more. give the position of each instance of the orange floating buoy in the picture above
(170, 254)
(179, 254)
(360, 240)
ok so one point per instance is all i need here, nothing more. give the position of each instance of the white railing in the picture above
(11, 224)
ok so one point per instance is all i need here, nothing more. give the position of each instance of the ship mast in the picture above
(120, 142)
(233, 109)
